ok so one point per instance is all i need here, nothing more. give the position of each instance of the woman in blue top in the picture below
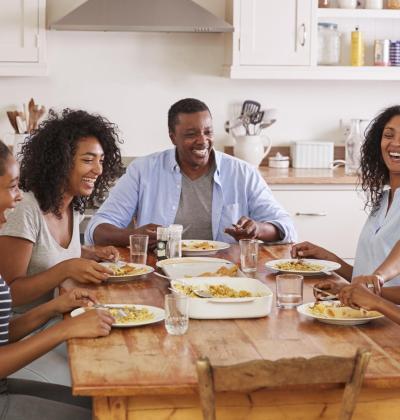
(380, 180)
(21, 399)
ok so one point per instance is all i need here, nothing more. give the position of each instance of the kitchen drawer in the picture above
(331, 218)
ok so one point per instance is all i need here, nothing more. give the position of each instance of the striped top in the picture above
(5, 311)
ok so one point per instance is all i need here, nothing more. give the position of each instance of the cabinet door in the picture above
(275, 32)
(331, 219)
(19, 30)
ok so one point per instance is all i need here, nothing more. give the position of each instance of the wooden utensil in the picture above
(12, 117)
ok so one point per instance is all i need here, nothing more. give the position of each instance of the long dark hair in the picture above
(48, 157)
(374, 172)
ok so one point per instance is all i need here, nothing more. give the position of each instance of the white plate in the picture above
(228, 308)
(327, 266)
(304, 310)
(127, 277)
(218, 246)
(159, 314)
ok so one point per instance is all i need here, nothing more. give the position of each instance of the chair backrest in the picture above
(250, 376)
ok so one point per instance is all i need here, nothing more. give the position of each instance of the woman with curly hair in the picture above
(380, 180)
(70, 160)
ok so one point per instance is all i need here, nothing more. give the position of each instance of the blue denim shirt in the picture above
(151, 187)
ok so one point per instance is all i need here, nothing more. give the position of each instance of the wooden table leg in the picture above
(110, 408)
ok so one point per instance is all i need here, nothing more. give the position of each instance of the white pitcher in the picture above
(252, 148)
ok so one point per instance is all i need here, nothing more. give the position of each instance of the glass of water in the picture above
(248, 255)
(289, 290)
(176, 314)
(138, 246)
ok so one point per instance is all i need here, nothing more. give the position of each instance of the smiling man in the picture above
(213, 195)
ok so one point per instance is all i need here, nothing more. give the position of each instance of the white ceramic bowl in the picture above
(228, 308)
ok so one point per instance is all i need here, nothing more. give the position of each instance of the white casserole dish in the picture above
(228, 308)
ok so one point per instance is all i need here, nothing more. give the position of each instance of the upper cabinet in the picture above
(279, 40)
(275, 32)
(22, 38)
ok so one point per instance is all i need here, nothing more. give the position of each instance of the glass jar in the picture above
(393, 4)
(328, 44)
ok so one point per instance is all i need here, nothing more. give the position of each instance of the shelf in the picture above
(359, 13)
(313, 73)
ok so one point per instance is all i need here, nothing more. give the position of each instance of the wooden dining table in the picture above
(145, 373)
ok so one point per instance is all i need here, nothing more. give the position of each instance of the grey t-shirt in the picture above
(27, 222)
(195, 206)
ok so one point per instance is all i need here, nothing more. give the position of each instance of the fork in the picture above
(105, 307)
(328, 296)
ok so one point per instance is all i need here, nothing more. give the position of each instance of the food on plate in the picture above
(337, 310)
(216, 290)
(297, 265)
(221, 272)
(198, 246)
(126, 314)
(127, 270)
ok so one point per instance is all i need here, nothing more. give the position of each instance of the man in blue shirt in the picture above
(213, 195)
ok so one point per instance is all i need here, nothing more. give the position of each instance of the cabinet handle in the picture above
(303, 41)
(310, 214)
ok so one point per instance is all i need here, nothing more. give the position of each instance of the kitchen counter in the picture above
(275, 176)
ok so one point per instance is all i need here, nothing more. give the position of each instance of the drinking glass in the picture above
(176, 314)
(138, 246)
(248, 254)
(289, 290)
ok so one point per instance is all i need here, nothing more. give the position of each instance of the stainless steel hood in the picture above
(141, 16)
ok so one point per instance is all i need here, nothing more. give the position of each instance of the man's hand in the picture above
(373, 282)
(245, 228)
(150, 230)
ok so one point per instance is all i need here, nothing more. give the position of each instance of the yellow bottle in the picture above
(357, 48)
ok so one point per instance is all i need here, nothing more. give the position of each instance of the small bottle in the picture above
(353, 148)
(162, 243)
(357, 48)
(175, 241)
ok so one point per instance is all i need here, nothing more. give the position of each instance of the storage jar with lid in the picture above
(323, 4)
(328, 43)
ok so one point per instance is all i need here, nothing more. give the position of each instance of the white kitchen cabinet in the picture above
(275, 32)
(22, 37)
(331, 216)
(268, 37)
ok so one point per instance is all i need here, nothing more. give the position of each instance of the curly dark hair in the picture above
(374, 172)
(184, 106)
(48, 154)
(5, 152)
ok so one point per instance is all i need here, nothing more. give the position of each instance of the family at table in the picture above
(73, 158)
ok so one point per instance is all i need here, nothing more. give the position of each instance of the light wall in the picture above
(133, 78)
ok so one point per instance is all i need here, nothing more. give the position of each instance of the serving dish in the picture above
(305, 310)
(317, 267)
(256, 306)
(200, 267)
(197, 247)
(138, 270)
(158, 314)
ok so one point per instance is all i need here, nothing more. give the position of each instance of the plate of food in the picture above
(334, 312)
(306, 266)
(124, 271)
(230, 297)
(127, 315)
(192, 247)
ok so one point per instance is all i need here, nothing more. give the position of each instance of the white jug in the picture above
(252, 148)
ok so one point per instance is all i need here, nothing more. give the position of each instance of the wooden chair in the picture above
(251, 376)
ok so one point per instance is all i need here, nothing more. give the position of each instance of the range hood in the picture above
(141, 16)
